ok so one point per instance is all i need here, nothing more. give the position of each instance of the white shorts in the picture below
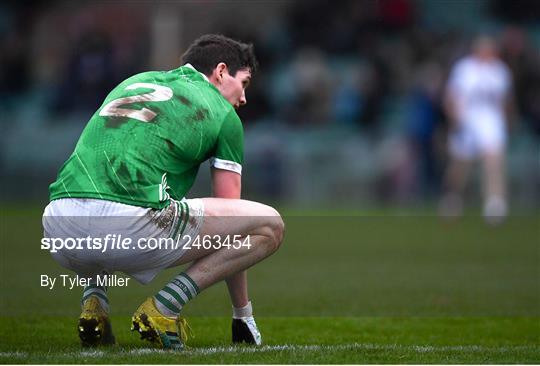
(473, 139)
(143, 259)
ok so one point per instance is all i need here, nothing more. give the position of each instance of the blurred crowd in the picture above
(368, 65)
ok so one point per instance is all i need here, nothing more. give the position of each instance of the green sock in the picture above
(171, 298)
(98, 291)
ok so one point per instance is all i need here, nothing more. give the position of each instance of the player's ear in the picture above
(219, 71)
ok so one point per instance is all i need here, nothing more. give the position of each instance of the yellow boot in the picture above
(160, 330)
(94, 324)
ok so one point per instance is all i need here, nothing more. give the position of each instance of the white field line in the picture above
(353, 347)
(13, 354)
(280, 348)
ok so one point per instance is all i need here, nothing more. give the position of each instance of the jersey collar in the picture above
(193, 68)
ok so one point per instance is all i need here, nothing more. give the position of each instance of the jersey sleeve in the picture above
(229, 151)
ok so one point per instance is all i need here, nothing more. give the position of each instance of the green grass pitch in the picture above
(344, 288)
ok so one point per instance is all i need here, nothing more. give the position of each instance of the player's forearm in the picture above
(226, 184)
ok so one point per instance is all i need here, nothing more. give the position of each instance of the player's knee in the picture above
(276, 228)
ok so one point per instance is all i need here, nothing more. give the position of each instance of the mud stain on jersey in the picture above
(141, 178)
(170, 144)
(185, 101)
(123, 172)
(112, 185)
(115, 122)
(200, 115)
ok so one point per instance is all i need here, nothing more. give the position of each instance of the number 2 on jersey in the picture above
(160, 94)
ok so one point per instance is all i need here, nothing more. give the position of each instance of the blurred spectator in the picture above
(424, 118)
(348, 97)
(14, 66)
(89, 74)
(358, 95)
(375, 91)
(396, 15)
(517, 10)
(477, 97)
(524, 61)
(310, 86)
(15, 32)
(306, 17)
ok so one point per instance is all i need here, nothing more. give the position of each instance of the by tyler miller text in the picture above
(71, 282)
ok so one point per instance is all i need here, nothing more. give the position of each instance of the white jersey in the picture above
(479, 90)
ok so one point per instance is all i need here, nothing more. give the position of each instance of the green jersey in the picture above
(146, 142)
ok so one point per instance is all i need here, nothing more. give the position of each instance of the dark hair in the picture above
(209, 50)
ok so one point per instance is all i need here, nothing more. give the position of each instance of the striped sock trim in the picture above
(178, 289)
(99, 295)
(190, 283)
(181, 288)
(92, 286)
(98, 291)
(171, 299)
(175, 294)
(160, 300)
(95, 290)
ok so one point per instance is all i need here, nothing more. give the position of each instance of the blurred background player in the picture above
(477, 102)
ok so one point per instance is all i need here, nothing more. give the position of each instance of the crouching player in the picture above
(134, 163)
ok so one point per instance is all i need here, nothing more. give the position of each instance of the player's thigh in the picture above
(234, 217)
(237, 217)
(462, 144)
